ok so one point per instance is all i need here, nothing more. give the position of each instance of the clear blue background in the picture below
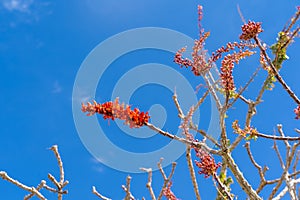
(42, 45)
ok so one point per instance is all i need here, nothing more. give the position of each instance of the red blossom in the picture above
(227, 68)
(198, 63)
(111, 110)
(229, 46)
(183, 62)
(297, 112)
(206, 164)
(250, 30)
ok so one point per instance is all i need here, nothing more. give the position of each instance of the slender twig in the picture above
(191, 125)
(223, 187)
(166, 179)
(285, 171)
(201, 100)
(224, 141)
(244, 88)
(175, 99)
(240, 178)
(61, 183)
(32, 190)
(278, 154)
(212, 91)
(204, 134)
(276, 73)
(274, 137)
(296, 163)
(39, 187)
(293, 35)
(98, 194)
(285, 190)
(54, 181)
(279, 128)
(148, 185)
(126, 188)
(180, 139)
(293, 21)
(54, 148)
(192, 172)
(261, 171)
(51, 189)
(240, 13)
(297, 130)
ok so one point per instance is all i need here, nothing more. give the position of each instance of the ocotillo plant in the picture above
(202, 159)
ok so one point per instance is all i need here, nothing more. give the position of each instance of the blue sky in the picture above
(42, 46)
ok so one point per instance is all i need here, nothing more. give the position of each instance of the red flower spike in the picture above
(227, 68)
(229, 46)
(206, 164)
(250, 30)
(111, 110)
(198, 62)
(183, 62)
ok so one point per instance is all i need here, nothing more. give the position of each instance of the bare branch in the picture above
(284, 175)
(240, 178)
(180, 139)
(276, 73)
(274, 137)
(261, 171)
(204, 134)
(192, 172)
(98, 194)
(54, 148)
(126, 188)
(180, 113)
(166, 179)
(223, 187)
(32, 190)
(39, 187)
(278, 155)
(61, 183)
(285, 190)
(148, 185)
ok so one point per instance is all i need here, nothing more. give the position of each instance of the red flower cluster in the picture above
(183, 62)
(229, 46)
(206, 164)
(250, 30)
(226, 73)
(198, 62)
(111, 110)
(227, 68)
(297, 112)
(168, 193)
